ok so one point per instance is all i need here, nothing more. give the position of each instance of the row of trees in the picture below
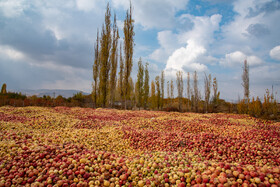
(108, 54)
(108, 88)
(254, 107)
(192, 102)
(21, 100)
(119, 90)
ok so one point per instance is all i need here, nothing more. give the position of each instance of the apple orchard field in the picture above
(104, 147)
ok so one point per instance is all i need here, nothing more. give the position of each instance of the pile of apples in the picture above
(106, 147)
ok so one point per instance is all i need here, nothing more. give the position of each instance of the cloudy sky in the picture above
(49, 43)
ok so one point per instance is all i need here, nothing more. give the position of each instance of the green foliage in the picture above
(216, 95)
(140, 84)
(245, 83)
(95, 71)
(114, 61)
(121, 77)
(153, 95)
(207, 91)
(162, 87)
(106, 44)
(146, 86)
(4, 89)
(128, 50)
(78, 97)
(158, 92)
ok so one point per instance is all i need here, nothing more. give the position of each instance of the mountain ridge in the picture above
(49, 92)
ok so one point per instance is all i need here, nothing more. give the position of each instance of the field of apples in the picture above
(105, 147)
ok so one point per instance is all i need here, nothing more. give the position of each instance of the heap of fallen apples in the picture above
(64, 146)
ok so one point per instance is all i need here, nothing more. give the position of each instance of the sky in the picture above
(49, 44)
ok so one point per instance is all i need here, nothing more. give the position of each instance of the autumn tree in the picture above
(146, 86)
(95, 70)
(121, 75)
(128, 50)
(188, 91)
(245, 81)
(106, 44)
(207, 91)
(171, 91)
(270, 106)
(168, 93)
(4, 89)
(140, 84)
(131, 92)
(180, 87)
(114, 61)
(216, 94)
(162, 87)
(196, 92)
(158, 94)
(153, 95)
(255, 107)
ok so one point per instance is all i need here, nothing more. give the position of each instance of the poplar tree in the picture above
(158, 94)
(140, 84)
(207, 90)
(128, 50)
(216, 94)
(195, 90)
(153, 94)
(106, 44)
(4, 89)
(168, 93)
(171, 91)
(245, 81)
(188, 90)
(121, 72)
(162, 87)
(114, 61)
(146, 86)
(95, 70)
(131, 92)
(179, 81)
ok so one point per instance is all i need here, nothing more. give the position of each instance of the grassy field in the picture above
(105, 147)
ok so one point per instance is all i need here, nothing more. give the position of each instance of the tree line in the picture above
(107, 56)
(117, 89)
(110, 90)
(267, 109)
(21, 100)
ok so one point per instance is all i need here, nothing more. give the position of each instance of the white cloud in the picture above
(168, 42)
(255, 24)
(275, 53)
(186, 57)
(153, 13)
(85, 5)
(197, 41)
(11, 53)
(204, 28)
(12, 8)
(238, 57)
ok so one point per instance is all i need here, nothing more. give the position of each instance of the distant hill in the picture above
(50, 92)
